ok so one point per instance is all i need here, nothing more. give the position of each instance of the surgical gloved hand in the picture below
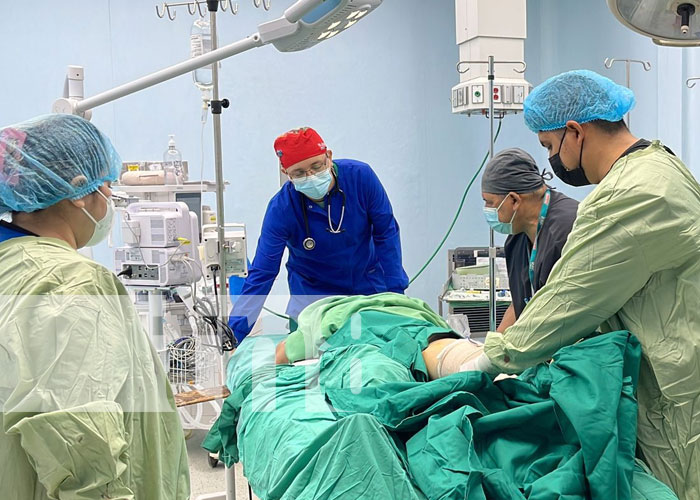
(481, 363)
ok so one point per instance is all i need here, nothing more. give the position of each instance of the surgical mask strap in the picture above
(580, 156)
(561, 143)
(89, 216)
(88, 213)
(501, 204)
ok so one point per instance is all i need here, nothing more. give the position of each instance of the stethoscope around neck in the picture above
(310, 243)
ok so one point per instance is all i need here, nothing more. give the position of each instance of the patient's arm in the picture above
(508, 319)
(280, 355)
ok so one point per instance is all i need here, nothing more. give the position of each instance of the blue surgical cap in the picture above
(52, 158)
(582, 96)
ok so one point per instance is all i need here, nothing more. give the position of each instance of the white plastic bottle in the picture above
(200, 44)
(172, 163)
(208, 215)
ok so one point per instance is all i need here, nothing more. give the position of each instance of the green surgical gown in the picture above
(631, 261)
(86, 411)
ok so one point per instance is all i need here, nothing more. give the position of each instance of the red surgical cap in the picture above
(298, 145)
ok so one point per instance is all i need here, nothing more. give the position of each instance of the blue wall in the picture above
(378, 93)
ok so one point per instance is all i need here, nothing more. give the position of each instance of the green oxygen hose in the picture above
(279, 315)
(459, 211)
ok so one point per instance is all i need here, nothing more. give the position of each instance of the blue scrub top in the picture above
(364, 259)
(9, 231)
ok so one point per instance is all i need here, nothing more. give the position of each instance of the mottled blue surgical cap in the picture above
(52, 158)
(581, 96)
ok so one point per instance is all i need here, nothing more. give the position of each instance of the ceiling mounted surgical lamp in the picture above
(297, 30)
(670, 23)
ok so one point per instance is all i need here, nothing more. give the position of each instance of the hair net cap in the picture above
(581, 95)
(512, 170)
(52, 158)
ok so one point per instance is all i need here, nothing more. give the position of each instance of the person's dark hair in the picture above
(610, 128)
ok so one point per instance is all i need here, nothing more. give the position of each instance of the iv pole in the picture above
(216, 107)
(492, 244)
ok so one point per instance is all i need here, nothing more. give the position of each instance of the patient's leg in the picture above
(446, 356)
(430, 356)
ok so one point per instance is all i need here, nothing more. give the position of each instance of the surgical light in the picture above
(298, 31)
(674, 23)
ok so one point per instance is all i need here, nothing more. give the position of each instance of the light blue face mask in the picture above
(314, 186)
(491, 215)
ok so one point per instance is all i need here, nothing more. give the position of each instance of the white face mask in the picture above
(102, 227)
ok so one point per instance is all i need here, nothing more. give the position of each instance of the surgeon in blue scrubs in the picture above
(336, 220)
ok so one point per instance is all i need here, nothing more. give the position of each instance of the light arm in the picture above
(79, 107)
